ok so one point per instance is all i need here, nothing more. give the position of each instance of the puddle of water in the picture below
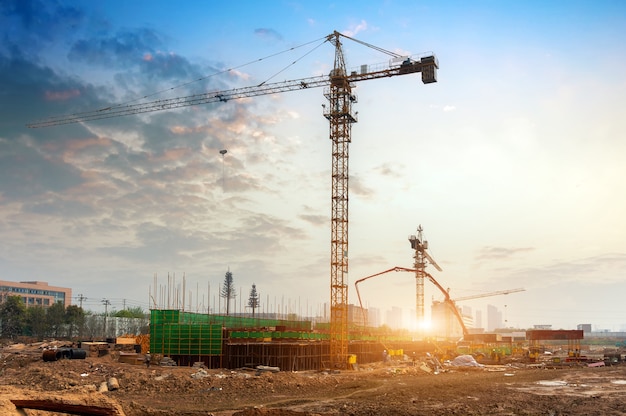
(552, 383)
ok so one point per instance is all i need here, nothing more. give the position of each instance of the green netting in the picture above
(186, 339)
(159, 316)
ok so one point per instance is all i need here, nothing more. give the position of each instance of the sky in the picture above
(513, 162)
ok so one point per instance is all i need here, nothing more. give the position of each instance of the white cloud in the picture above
(354, 29)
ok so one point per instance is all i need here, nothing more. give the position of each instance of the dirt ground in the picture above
(399, 388)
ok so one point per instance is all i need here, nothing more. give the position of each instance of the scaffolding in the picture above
(236, 342)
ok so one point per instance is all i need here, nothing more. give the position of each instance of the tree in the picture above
(253, 299)
(135, 312)
(55, 317)
(36, 324)
(228, 290)
(75, 319)
(12, 317)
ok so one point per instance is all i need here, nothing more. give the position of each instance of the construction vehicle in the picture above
(338, 86)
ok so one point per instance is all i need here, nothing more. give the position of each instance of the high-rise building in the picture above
(357, 315)
(445, 322)
(373, 317)
(394, 317)
(494, 318)
(35, 293)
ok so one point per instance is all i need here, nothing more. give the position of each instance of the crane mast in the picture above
(340, 116)
(422, 258)
(338, 87)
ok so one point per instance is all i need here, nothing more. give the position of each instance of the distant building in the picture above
(35, 293)
(494, 318)
(586, 328)
(394, 317)
(445, 322)
(357, 315)
(479, 319)
(373, 317)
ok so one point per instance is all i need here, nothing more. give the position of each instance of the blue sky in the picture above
(513, 162)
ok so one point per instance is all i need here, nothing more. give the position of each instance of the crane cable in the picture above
(226, 71)
(294, 62)
(379, 49)
(325, 39)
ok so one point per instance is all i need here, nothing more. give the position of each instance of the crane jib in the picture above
(427, 65)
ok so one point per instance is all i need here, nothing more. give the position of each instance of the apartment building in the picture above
(35, 293)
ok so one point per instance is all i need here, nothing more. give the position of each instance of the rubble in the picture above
(399, 387)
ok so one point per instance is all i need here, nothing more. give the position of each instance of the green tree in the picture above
(36, 324)
(55, 317)
(12, 317)
(253, 299)
(75, 320)
(135, 312)
(228, 290)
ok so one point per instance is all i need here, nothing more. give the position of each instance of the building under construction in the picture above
(221, 341)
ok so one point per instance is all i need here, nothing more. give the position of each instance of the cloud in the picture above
(445, 108)
(144, 192)
(120, 50)
(388, 169)
(358, 188)
(268, 34)
(35, 24)
(26, 172)
(315, 219)
(38, 92)
(356, 28)
(500, 253)
(62, 95)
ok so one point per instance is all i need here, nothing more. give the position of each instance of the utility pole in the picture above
(106, 304)
(81, 298)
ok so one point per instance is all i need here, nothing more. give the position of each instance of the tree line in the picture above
(17, 320)
(57, 321)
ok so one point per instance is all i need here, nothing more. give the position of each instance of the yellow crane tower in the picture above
(422, 258)
(338, 87)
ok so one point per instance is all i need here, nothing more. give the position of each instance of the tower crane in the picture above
(338, 87)
(422, 258)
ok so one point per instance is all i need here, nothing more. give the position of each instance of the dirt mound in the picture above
(123, 389)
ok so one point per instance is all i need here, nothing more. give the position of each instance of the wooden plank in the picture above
(73, 409)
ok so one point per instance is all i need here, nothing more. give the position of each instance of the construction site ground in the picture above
(105, 386)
